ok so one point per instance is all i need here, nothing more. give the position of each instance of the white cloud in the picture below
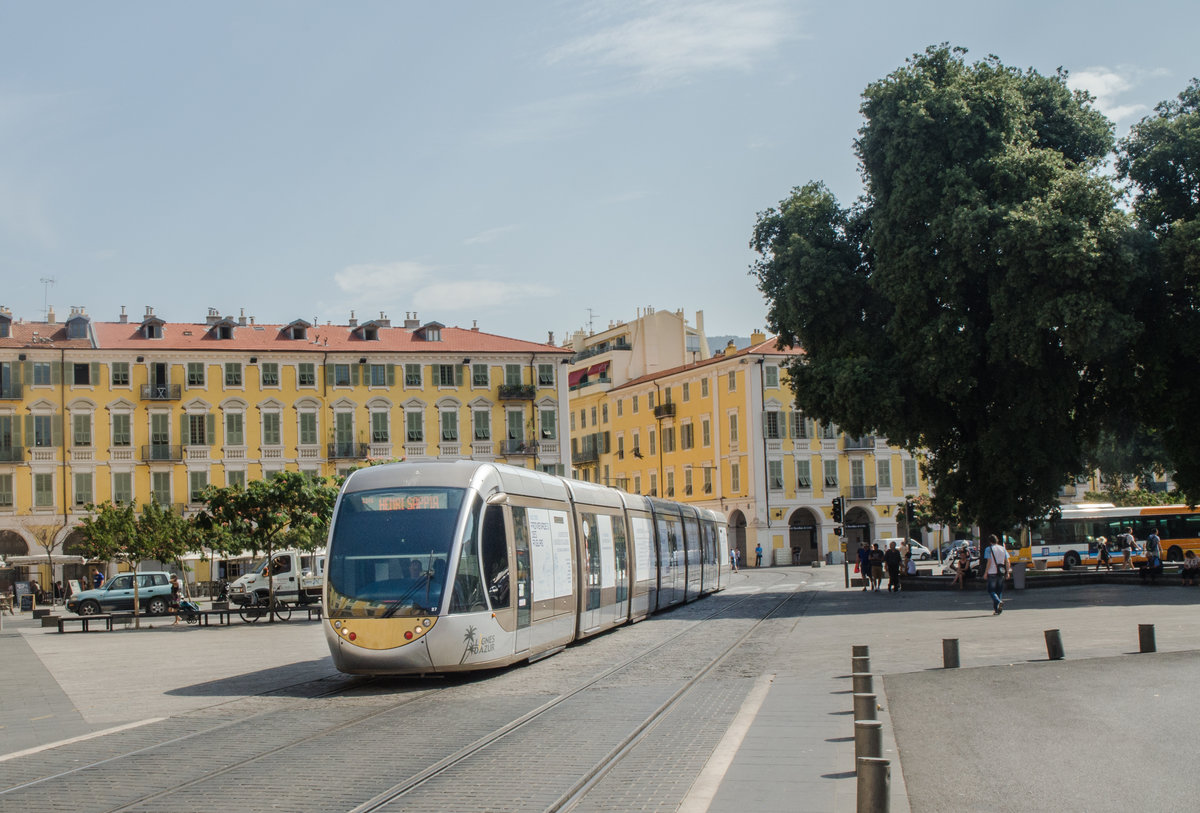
(381, 280)
(1108, 85)
(489, 235)
(662, 43)
(476, 295)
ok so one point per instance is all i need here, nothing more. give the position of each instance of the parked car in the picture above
(918, 550)
(116, 595)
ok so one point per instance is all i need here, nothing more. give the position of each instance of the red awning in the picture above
(598, 369)
(575, 377)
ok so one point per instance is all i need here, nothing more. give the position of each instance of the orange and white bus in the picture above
(1070, 539)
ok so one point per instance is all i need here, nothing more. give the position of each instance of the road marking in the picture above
(43, 717)
(81, 738)
(704, 789)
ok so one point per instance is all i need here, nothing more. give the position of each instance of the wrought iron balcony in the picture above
(666, 410)
(861, 492)
(153, 392)
(866, 442)
(517, 392)
(516, 446)
(347, 450)
(586, 456)
(162, 451)
(12, 454)
(12, 391)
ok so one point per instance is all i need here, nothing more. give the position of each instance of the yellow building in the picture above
(156, 410)
(722, 431)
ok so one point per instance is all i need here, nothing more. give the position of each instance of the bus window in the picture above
(468, 584)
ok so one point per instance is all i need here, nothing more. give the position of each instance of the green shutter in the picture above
(210, 429)
(391, 375)
(16, 430)
(55, 373)
(29, 428)
(95, 373)
(56, 430)
(28, 372)
(328, 375)
(458, 375)
(354, 378)
(183, 430)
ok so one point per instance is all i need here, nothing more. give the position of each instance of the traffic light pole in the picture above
(839, 512)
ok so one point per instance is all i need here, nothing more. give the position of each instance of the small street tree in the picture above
(290, 508)
(45, 536)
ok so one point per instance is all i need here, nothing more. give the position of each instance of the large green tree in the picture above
(1161, 160)
(975, 304)
(288, 509)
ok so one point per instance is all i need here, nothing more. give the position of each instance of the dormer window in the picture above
(370, 333)
(152, 331)
(299, 332)
(5, 327)
(77, 327)
(224, 332)
(431, 332)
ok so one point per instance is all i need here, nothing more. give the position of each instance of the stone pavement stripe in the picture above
(701, 794)
(80, 738)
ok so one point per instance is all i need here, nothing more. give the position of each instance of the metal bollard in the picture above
(949, 653)
(864, 706)
(874, 785)
(864, 682)
(868, 739)
(860, 663)
(860, 651)
(1054, 645)
(1145, 639)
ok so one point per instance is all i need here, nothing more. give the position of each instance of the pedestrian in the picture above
(176, 597)
(876, 567)
(1191, 568)
(97, 579)
(891, 558)
(960, 565)
(734, 554)
(1128, 547)
(1153, 546)
(1104, 559)
(58, 592)
(864, 565)
(39, 595)
(997, 568)
(758, 555)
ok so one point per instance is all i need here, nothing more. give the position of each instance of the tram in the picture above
(451, 566)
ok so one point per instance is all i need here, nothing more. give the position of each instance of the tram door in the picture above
(524, 586)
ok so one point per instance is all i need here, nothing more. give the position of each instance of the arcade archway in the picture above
(737, 534)
(803, 529)
(859, 530)
(12, 544)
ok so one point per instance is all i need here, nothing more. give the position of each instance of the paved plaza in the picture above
(1105, 729)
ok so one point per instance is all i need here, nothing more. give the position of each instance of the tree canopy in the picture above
(977, 304)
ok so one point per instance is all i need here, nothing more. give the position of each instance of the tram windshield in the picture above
(389, 551)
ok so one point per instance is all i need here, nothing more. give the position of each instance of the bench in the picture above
(224, 617)
(314, 611)
(85, 621)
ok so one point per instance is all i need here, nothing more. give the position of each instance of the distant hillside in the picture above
(717, 344)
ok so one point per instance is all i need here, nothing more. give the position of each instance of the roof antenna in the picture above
(46, 283)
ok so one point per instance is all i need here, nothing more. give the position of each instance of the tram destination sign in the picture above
(407, 501)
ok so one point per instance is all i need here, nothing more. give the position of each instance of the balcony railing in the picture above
(586, 456)
(516, 446)
(517, 392)
(865, 442)
(861, 492)
(151, 392)
(599, 349)
(162, 451)
(666, 410)
(347, 450)
(12, 392)
(12, 454)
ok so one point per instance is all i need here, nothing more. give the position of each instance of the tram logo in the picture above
(475, 645)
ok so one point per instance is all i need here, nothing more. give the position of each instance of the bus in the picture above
(1070, 539)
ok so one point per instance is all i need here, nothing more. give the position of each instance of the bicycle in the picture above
(259, 608)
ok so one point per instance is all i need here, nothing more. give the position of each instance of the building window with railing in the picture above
(195, 374)
(412, 375)
(234, 430)
(308, 428)
(122, 434)
(415, 424)
(828, 431)
(160, 487)
(269, 370)
(449, 419)
(831, 473)
(803, 474)
(81, 425)
(43, 431)
(380, 429)
(233, 374)
(271, 432)
(883, 473)
(775, 474)
(549, 423)
(122, 487)
(306, 374)
(771, 425)
(119, 373)
(236, 478)
(802, 428)
(512, 374)
(197, 482)
(545, 375)
(482, 424)
(43, 490)
(197, 427)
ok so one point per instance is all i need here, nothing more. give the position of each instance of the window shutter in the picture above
(210, 429)
(56, 430)
(16, 431)
(391, 375)
(28, 373)
(354, 379)
(28, 429)
(55, 373)
(183, 430)
(458, 375)
(328, 375)
(94, 373)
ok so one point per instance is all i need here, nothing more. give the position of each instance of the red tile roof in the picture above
(768, 348)
(41, 335)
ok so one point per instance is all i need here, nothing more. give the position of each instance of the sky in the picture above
(529, 167)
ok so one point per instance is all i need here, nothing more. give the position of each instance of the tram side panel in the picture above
(552, 576)
(692, 548)
(645, 568)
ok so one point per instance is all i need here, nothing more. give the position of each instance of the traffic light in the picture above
(910, 512)
(837, 531)
(837, 509)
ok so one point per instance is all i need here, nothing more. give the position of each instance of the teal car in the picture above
(116, 595)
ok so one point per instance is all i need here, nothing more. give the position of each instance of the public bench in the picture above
(224, 617)
(85, 621)
(314, 611)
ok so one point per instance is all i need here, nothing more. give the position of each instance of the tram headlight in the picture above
(426, 623)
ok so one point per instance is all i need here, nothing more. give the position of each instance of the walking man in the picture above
(997, 568)
(892, 559)
(758, 555)
(733, 557)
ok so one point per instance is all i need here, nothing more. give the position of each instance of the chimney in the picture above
(757, 337)
(124, 318)
(383, 320)
(475, 325)
(353, 320)
(50, 315)
(730, 348)
(242, 316)
(411, 322)
(149, 311)
(550, 338)
(213, 317)
(699, 321)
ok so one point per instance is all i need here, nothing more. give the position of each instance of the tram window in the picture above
(621, 558)
(468, 584)
(495, 556)
(591, 535)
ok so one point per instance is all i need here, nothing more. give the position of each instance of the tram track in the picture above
(410, 702)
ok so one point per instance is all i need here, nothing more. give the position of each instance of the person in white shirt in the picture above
(997, 568)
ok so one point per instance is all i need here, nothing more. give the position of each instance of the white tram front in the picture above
(450, 566)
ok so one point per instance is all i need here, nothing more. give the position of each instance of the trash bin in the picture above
(1018, 573)
(1040, 564)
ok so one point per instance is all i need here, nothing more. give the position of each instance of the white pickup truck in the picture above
(298, 579)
